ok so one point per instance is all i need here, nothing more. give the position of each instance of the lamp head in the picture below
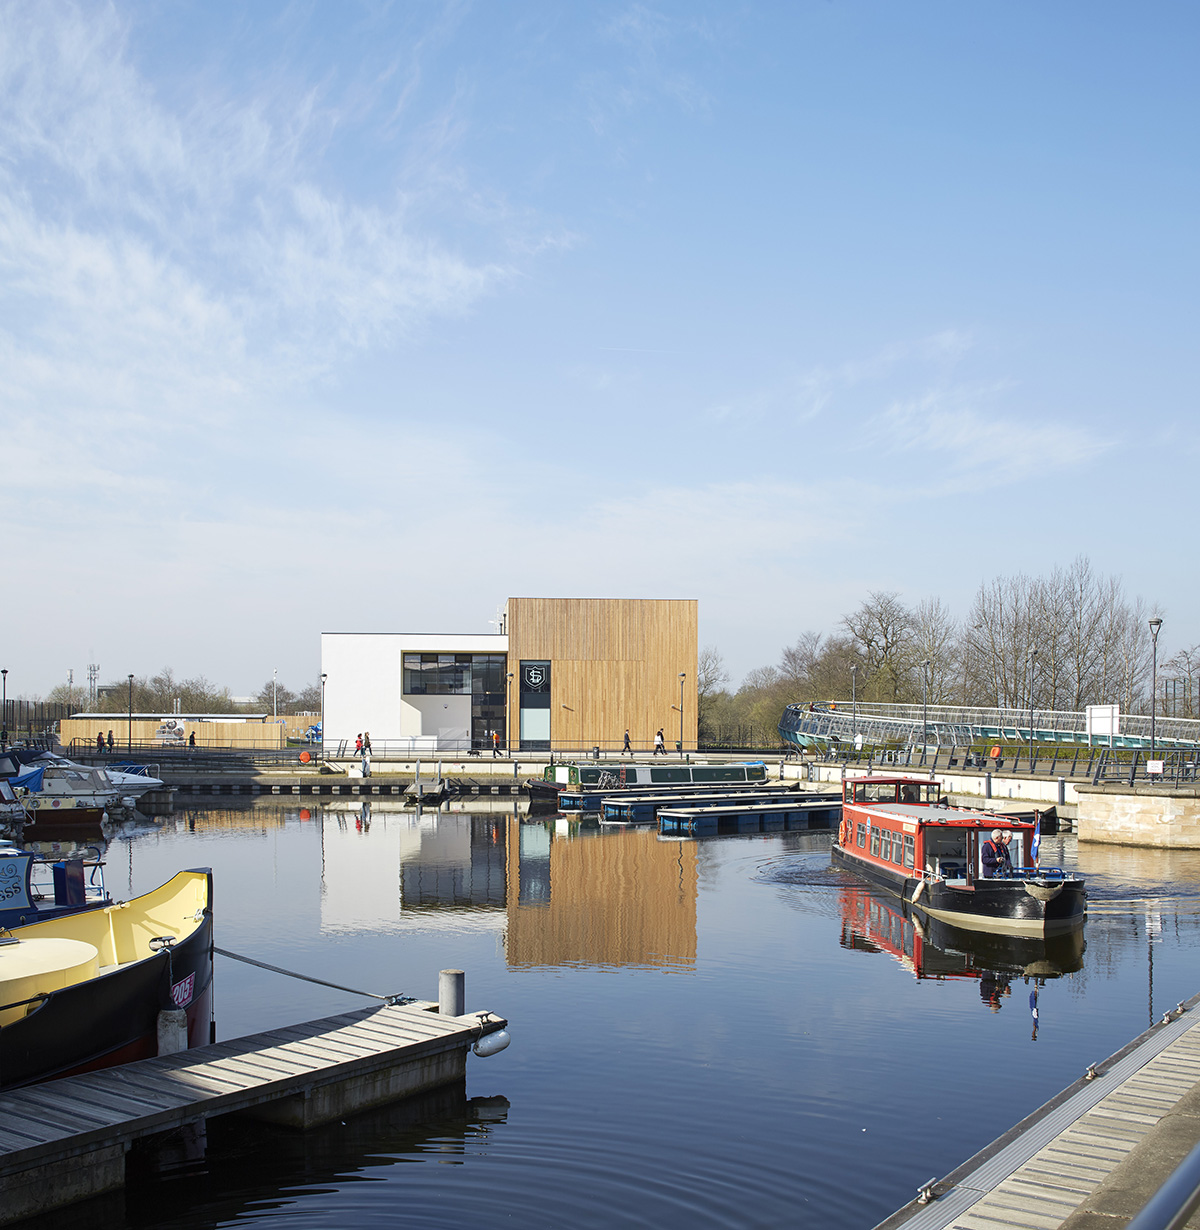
(1155, 624)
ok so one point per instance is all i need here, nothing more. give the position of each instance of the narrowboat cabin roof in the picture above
(920, 800)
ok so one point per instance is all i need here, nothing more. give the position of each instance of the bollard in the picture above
(452, 999)
(172, 1031)
(516, 769)
(1062, 791)
(987, 785)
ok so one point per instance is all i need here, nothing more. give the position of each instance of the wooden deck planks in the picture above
(1044, 1188)
(41, 1121)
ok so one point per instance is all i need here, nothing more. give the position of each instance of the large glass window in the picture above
(481, 676)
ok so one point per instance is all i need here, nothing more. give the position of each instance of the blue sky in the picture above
(367, 316)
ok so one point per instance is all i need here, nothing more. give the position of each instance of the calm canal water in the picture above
(712, 1033)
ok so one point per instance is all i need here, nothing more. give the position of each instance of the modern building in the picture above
(562, 673)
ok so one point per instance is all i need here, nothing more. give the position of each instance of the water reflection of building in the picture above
(592, 898)
(378, 865)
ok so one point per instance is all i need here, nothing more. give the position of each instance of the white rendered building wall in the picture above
(363, 686)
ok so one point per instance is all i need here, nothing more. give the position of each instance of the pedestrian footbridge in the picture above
(823, 724)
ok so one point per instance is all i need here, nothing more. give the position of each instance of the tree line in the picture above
(162, 693)
(1065, 640)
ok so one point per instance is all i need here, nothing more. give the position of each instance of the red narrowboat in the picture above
(899, 833)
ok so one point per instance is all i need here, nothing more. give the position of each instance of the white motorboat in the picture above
(51, 777)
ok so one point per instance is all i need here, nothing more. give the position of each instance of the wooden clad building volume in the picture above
(584, 670)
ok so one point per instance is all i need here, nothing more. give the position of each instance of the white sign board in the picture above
(1154, 767)
(1102, 721)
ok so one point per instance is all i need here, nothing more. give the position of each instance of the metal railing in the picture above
(956, 726)
(1080, 763)
(180, 757)
(1174, 1203)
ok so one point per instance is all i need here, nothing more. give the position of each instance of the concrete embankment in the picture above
(1112, 813)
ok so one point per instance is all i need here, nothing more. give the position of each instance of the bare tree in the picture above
(1183, 669)
(882, 632)
(797, 662)
(711, 676)
(711, 673)
(935, 639)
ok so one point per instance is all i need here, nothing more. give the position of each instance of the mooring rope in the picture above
(275, 969)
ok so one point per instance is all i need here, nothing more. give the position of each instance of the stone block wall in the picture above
(1148, 816)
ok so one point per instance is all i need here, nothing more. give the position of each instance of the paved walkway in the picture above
(1090, 1158)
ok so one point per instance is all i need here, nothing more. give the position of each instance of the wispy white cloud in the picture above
(207, 239)
(649, 43)
(963, 442)
(806, 395)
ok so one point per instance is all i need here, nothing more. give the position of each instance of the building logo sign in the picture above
(535, 678)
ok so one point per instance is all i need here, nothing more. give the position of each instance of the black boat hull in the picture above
(1017, 907)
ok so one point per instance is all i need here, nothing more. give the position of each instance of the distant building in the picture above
(570, 673)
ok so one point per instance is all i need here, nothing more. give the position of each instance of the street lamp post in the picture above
(323, 678)
(275, 691)
(854, 704)
(4, 705)
(1032, 654)
(1155, 624)
(129, 744)
(682, 677)
(924, 709)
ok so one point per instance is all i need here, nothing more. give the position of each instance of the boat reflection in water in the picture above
(933, 949)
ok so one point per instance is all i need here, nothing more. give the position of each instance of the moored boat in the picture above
(900, 833)
(85, 991)
(36, 887)
(584, 787)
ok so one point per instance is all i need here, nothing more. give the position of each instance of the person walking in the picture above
(110, 743)
(495, 744)
(358, 745)
(367, 742)
(626, 748)
(366, 760)
(192, 741)
(660, 744)
(99, 743)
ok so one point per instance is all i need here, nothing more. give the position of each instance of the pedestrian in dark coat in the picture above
(994, 856)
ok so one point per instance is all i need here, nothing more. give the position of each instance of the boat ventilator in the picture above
(391, 1000)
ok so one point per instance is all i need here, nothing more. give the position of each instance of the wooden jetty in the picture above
(734, 815)
(1096, 1151)
(66, 1140)
(643, 808)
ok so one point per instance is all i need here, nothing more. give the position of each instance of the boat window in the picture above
(670, 775)
(720, 773)
(885, 845)
(875, 792)
(910, 851)
(862, 835)
(875, 842)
